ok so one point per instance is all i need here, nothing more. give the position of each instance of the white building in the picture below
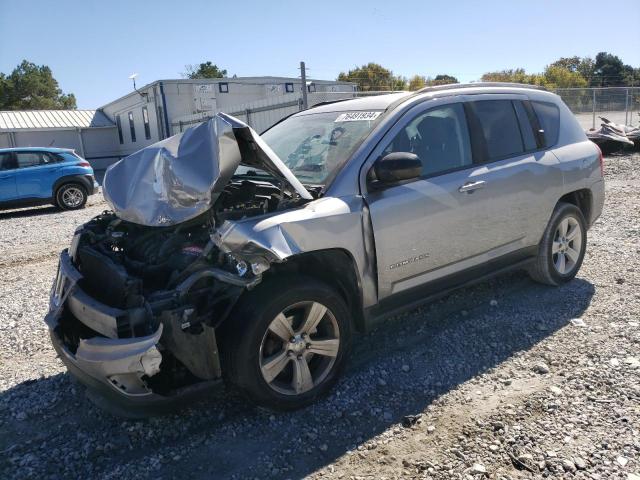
(88, 132)
(161, 109)
(166, 107)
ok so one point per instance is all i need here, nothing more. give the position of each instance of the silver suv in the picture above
(254, 258)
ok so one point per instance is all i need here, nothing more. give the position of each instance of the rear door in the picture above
(7, 177)
(515, 168)
(37, 171)
(471, 205)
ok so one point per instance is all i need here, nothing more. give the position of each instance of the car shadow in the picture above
(396, 371)
(29, 212)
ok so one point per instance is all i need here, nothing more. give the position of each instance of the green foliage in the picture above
(517, 75)
(373, 77)
(204, 70)
(559, 77)
(32, 87)
(417, 82)
(610, 71)
(607, 70)
(443, 80)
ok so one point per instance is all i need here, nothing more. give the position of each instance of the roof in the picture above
(52, 119)
(392, 100)
(265, 80)
(37, 149)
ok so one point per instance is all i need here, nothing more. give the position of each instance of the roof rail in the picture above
(452, 86)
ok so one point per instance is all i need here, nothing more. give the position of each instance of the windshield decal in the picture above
(357, 116)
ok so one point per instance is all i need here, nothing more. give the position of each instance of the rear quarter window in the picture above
(549, 118)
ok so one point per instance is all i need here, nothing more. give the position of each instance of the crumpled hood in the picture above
(181, 177)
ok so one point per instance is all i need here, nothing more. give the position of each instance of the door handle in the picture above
(470, 187)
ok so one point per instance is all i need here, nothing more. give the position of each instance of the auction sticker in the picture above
(357, 116)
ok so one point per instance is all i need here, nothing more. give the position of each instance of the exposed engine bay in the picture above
(175, 278)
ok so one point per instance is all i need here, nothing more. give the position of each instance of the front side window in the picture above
(439, 137)
(132, 127)
(145, 121)
(288, 87)
(314, 145)
(499, 126)
(223, 87)
(549, 117)
(29, 159)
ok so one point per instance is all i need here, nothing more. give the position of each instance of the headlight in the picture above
(242, 268)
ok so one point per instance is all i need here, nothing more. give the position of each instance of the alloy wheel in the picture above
(299, 348)
(567, 245)
(72, 197)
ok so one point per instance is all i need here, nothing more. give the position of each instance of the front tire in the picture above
(562, 248)
(71, 196)
(287, 343)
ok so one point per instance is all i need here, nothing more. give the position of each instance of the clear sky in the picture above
(93, 46)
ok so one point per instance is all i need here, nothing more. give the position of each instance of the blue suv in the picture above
(38, 176)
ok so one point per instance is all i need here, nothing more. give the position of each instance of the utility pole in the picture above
(303, 75)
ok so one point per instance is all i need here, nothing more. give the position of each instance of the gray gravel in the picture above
(508, 379)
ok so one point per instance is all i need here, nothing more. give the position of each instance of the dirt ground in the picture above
(505, 380)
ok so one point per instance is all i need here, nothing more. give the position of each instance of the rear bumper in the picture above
(116, 369)
(597, 204)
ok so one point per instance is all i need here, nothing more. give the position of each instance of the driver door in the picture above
(438, 224)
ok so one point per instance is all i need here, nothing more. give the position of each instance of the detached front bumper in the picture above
(116, 369)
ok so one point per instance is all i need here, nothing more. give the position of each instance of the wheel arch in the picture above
(66, 179)
(583, 199)
(337, 268)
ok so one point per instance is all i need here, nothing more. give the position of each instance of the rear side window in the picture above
(549, 117)
(499, 124)
(7, 162)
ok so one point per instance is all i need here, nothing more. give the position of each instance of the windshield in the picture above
(312, 146)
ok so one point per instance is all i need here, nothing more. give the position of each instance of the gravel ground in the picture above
(508, 379)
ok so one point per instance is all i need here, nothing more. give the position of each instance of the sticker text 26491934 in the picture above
(357, 116)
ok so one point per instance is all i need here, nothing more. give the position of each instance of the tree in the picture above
(417, 82)
(443, 80)
(32, 87)
(517, 75)
(373, 77)
(204, 70)
(609, 71)
(560, 77)
(583, 66)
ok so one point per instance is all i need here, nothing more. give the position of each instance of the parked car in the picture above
(39, 176)
(256, 258)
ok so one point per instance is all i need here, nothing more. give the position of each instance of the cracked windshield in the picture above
(312, 146)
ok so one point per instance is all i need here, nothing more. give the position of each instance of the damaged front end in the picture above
(141, 291)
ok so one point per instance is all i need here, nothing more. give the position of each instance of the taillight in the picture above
(601, 158)
(84, 163)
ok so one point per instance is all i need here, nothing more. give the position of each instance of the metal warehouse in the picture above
(161, 109)
(88, 132)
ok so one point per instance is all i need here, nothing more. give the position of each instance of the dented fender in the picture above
(323, 224)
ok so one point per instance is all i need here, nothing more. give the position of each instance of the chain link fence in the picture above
(618, 104)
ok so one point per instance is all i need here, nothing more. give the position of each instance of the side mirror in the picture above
(396, 167)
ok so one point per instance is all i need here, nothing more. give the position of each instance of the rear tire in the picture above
(287, 343)
(562, 247)
(71, 196)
